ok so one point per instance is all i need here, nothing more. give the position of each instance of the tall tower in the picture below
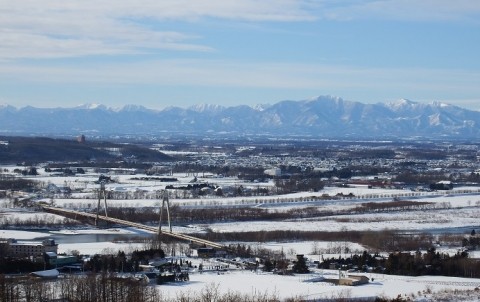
(164, 200)
(101, 194)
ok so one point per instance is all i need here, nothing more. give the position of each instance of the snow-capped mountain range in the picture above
(322, 117)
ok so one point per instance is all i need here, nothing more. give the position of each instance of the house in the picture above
(56, 190)
(351, 280)
(442, 185)
(273, 172)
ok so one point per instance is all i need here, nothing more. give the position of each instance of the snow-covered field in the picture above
(455, 210)
(105, 248)
(411, 221)
(306, 287)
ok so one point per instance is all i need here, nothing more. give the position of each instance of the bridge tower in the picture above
(102, 194)
(167, 202)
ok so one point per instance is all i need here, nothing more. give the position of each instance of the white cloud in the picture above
(60, 32)
(74, 28)
(70, 28)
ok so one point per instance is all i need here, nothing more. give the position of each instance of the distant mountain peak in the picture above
(402, 104)
(206, 108)
(440, 104)
(326, 98)
(132, 107)
(261, 107)
(91, 106)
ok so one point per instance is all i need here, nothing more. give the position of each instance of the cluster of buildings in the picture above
(326, 156)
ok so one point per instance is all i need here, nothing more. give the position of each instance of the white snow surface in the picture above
(21, 235)
(106, 248)
(284, 287)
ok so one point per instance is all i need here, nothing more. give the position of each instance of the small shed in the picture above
(353, 280)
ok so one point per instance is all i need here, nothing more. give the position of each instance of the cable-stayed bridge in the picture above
(97, 217)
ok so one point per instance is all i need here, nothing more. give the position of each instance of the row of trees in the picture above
(412, 264)
(111, 288)
(180, 214)
(399, 205)
(98, 263)
(298, 184)
(385, 240)
(36, 221)
(429, 177)
(17, 184)
(17, 266)
(215, 214)
(80, 288)
(120, 262)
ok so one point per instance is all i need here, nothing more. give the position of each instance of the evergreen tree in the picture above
(300, 267)
(268, 266)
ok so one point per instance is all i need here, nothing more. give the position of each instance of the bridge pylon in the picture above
(167, 202)
(102, 194)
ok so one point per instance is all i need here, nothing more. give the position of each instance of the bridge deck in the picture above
(64, 212)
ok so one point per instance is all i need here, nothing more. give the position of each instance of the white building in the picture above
(273, 172)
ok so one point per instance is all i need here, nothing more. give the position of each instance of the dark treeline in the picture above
(79, 288)
(188, 215)
(17, 184)
(410, 176)
(396, 205)
(426, 154)
(120, 262)
(112, 288)
(37, 221)
(424, 178)
(98, 263)
(412, 264)
(298, 184)
(376, 240)
(181, 215)
(19, 266)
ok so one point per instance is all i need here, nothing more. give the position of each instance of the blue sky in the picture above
(160, 53)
